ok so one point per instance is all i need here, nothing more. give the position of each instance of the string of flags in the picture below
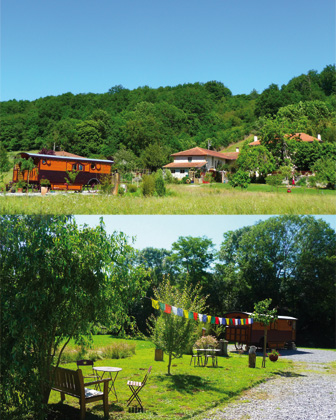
(168, 309)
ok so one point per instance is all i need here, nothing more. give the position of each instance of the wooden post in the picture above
(116, 183)
(252, 357)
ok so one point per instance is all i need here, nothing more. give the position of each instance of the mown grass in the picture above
(188, 392)
(181, 199)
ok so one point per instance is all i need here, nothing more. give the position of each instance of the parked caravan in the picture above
(54, 168)
(280, 334)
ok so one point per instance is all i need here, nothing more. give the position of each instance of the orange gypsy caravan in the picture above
(280, 334)
(54, 168)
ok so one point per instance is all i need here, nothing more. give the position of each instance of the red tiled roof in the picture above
(298, 136)
(304, 137)
(198, 151)
(185, 164)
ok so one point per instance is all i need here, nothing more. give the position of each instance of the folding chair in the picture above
(93, 375)
(136, 387)
(196, 355)
(211, 354)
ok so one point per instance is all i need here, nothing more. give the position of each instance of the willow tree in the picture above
(172, 333)
(58, 280)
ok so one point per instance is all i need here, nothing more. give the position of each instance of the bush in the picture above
(159, 184)
(106, 186)
(132, 188)
(168, 177)
(302, 182)
(148, 185)
(240, 179)
(274, 180)
(206, 341)
(121, 191)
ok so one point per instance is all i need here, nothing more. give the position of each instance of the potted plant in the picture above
(45, 184)
(20, 185)
(274, 355)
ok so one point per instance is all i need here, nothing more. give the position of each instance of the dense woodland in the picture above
(148, 124)
(290, 259)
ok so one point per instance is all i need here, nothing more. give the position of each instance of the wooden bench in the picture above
(71, 382)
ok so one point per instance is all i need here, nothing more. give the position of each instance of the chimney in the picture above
(237, 149)
(319, 137)
(255, 138)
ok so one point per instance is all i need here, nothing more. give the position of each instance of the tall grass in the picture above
(182, 199)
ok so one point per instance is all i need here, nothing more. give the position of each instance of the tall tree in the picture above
(57, 281)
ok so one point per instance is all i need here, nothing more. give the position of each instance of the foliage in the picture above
(168, 177)
(263, 314)
(256, 159)
(58, 280)
(4, 162)
(290, 259)
(240, 179)
(45, 182)
(207, 341)
(171, 333)
(132, 188)
(274, 180)
(159, 184)
(71, 177)
(208, 177)
(106, 184)
(325, 170)
(148, 185)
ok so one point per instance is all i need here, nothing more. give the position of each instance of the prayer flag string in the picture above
(215, 320)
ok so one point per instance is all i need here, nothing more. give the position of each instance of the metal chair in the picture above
(211, 354)
(196, 356)
(93, 375)
(136, 387)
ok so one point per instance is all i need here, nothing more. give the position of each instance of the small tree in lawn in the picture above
(4, 162)
(265, 316)
(274, 180)
(172, 333)
(240, 179)
(160, 187)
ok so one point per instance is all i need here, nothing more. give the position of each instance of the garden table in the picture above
(112, 372)
(208, 350)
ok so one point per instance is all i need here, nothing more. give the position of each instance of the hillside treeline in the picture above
(290, 259)
(161, 121)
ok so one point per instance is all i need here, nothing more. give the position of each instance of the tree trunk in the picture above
(265, 342)
(169, 363)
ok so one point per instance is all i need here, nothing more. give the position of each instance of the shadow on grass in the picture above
(186, 384)
(65, 411)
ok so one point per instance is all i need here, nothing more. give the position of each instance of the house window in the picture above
(190, 159)
(182, 171)
(172, 171)
(77, 167)
(93, 166)
(44, 162)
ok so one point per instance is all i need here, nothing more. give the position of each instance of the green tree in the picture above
(71, 177)
(58, 280)
(240, 179)
(193, 257)
(256, 159)
(172, 333)
(4, 162)
(154, 156)
(325, 170)
(263, 314)
(274, 181)
(148, 185)
(160, 187)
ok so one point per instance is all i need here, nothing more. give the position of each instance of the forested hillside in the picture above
(157, 122)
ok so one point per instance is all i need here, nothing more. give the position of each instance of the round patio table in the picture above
(112, 372)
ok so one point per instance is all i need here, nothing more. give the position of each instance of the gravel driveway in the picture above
(308, 395)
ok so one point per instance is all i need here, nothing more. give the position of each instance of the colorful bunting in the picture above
(215, 320)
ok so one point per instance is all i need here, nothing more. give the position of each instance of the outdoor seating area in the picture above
(201, 357)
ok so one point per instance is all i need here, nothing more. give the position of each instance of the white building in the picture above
(198, 158)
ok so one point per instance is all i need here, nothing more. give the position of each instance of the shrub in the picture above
(240, 179)
(148, 185)
(206, 341)
(302, 182)
(132, 188)
(106, 186)
(159, 184)
(168, 177)
(121, 191)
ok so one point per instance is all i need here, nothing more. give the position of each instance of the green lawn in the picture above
(188, 392)
(181, 199)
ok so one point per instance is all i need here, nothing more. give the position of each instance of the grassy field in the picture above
(190, 390)
(181, 199)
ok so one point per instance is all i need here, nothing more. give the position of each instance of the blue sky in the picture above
(162, 231)
(50, 47)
